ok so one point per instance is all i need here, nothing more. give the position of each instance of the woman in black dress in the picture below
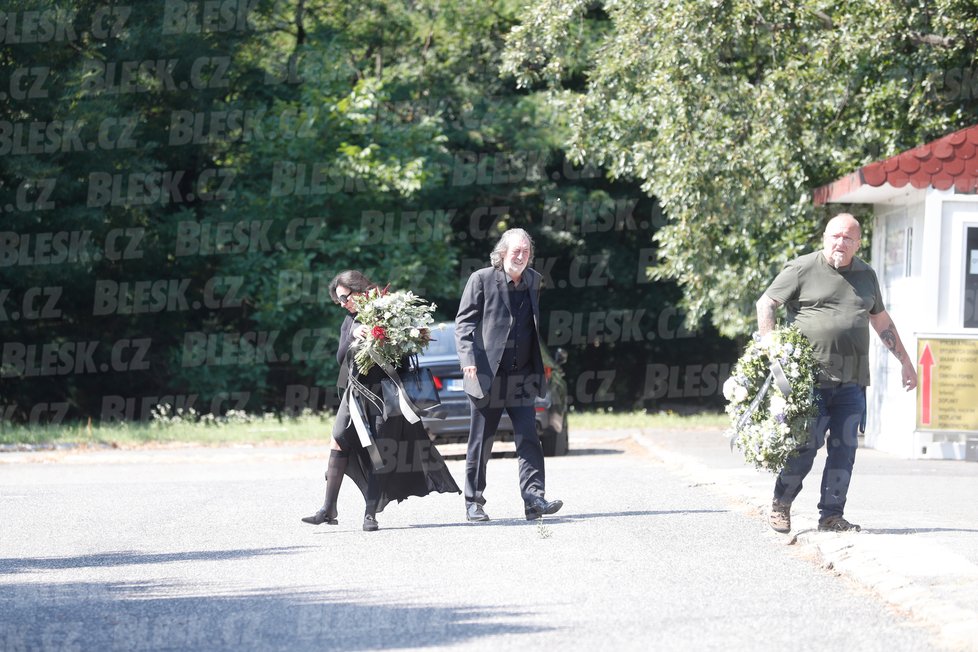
(402, 462)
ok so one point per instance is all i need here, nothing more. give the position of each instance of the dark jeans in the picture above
(512, 393)
(840, 411)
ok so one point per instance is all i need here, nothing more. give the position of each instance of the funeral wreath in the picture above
(770, 397)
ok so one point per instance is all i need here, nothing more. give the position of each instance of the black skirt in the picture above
(410, 465)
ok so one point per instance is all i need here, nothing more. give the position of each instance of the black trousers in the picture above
(512, 393)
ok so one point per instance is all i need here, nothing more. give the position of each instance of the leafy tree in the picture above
(213, 108)
(258, 153)
(731, 111)
(100, 83)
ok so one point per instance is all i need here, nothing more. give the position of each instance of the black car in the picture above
(551, 412)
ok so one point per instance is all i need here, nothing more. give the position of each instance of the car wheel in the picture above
(555, 443)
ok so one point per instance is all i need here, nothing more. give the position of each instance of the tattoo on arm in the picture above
(766, 310)
(889, 337)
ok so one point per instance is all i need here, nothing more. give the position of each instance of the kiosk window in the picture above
(897, 250)
(971, 279)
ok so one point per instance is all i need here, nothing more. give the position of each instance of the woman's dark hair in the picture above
(352, 279)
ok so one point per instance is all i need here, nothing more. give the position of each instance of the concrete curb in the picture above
(894, 567)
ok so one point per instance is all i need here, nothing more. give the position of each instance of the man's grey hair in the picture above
(505, 241)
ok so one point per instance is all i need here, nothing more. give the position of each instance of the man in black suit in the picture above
(497, 335)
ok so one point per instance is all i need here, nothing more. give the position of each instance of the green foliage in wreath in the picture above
(768, 428)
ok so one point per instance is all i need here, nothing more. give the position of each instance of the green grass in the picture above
(269, 429)
(253, 430)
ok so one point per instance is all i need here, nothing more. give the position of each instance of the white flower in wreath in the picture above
(778, 407)
(734, 391)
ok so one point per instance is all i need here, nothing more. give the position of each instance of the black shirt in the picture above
(517, 355)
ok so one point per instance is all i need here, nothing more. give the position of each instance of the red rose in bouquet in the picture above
(398, 324)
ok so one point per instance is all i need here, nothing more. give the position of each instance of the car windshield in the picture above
(443, 340)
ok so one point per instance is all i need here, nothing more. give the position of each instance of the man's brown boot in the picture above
(780, 516)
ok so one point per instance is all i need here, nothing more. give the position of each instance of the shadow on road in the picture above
(555, 519)
(153, 616)
(456, 455)
(595, 451)
(127, 558)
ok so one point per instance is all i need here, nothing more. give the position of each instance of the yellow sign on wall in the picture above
(947, 385)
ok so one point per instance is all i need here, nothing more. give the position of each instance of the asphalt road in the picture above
(202, 549)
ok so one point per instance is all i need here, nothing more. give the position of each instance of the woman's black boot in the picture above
(334, 478)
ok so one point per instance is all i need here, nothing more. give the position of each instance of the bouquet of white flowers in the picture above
(768, 423)
(398, 324)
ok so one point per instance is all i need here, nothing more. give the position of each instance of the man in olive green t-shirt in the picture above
(832, 297)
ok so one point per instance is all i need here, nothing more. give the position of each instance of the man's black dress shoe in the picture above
(319, 518)
(370, 523)
(538, 507)
(475, 513)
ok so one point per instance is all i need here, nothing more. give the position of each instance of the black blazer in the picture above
(482, 326)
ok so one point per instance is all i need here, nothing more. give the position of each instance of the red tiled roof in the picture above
(951, 160)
